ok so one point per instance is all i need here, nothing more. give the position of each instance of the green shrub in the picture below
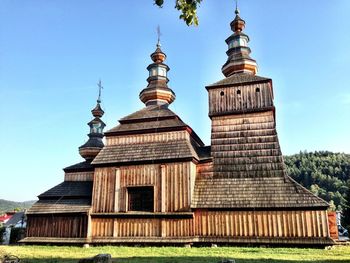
(2, 231)
(17, 233)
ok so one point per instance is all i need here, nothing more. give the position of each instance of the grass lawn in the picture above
(51, 254)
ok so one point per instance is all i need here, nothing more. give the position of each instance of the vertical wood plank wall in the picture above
(80, 176)
(103, 191)
(271, 224)
(177, 184)
(57, 226)
(261, 223)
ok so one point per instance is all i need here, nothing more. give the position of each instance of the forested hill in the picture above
(324, 173)
(6, 206)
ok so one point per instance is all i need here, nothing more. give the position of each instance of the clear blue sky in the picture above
(52, 54)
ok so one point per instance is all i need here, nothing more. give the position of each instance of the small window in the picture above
(141, 199)
(257, 89)
(161, 72)
(222, 93)
(153, 72)
(238, 92)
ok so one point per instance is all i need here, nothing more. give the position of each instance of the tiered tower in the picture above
(157, 92)
(238, 60)
(93, 146)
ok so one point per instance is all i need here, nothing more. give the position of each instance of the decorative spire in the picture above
(159, 34)
(93, 146)
(157, 91)
(97, 111)
(100, 87)
(238, 60)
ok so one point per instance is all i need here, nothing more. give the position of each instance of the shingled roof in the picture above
(69, 189)
(59, 206)
(66, 197)
(149, 112)
(149, 125)
(80, 167)
(252, 193)
(237, 79)
(153, 118)
(142, 152)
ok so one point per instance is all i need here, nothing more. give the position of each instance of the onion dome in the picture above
(238, 60)
(93, 146)
(157, 91)
(97, 111)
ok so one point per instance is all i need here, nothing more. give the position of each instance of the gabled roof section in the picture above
(153, 118)
(253, 193)
(238, 79)
(66, 197)
(150, 112)
(59, 206)
(204, 153)
(79, 167)
(69, 189)
(146, 152)
(154, 125)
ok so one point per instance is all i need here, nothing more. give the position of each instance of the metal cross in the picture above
(159, 34)
(100, 87)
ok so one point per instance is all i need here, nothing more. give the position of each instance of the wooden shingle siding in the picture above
(226, 100)
(246, 143)
(287, 224)
(258, 192)
(146, 152)
(61, 226)
(79, 176)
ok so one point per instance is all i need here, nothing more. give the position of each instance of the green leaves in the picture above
(188, 9)
(159, 3)
(324, 173)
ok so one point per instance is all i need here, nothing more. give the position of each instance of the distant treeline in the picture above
(8, 206)
(326, 174)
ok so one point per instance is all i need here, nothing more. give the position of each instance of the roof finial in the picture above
(237, 10)
(100, 87)
(158, 34)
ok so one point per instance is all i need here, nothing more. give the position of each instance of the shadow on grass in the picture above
(181, 260)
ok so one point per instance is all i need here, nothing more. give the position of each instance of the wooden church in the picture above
(153, 181)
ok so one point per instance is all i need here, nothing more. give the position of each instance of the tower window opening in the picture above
(141, 198)
(257, 89)
(222, 93)
(238, 92)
